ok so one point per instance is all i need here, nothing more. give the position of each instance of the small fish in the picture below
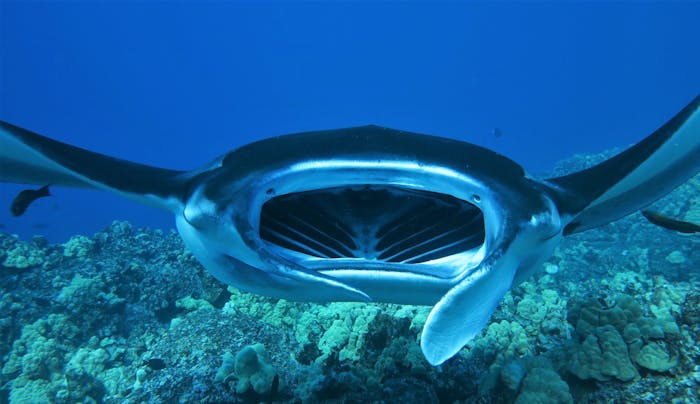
(496, 132)
(155, 363)
(671, 224)
(25, 198)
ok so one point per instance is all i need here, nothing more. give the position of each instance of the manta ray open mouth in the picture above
(374, 223)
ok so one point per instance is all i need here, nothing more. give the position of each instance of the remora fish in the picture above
(25, 198)
(375, 214)
(671, 224)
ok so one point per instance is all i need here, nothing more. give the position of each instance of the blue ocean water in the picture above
(123, 313)
(175, 84)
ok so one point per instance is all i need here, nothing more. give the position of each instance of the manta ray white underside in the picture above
(375, 214)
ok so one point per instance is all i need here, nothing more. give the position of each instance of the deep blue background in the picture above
(175, 84)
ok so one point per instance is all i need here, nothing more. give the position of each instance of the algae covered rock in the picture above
(78, 246)
(512, 374)
(618, 337)
(507, 339)
(252, 369)
(602, 356)
(23, 254)
(191, 304)
(531, 379)
(592, 314)
(654, 356)
(542, 385)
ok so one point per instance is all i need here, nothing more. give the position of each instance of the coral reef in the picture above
(613, 338)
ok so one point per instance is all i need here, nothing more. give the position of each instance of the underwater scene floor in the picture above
(129, 316)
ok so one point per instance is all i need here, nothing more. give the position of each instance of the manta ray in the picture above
(373, 214)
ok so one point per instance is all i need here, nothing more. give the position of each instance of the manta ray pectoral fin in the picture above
(29, 158)
(23, 162)
(465, 310)
(634, 178)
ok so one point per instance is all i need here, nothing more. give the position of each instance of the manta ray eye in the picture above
(373, 223)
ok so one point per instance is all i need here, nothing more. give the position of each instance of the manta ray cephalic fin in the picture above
(465, 310)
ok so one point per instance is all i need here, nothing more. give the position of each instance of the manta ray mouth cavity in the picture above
(370, 224)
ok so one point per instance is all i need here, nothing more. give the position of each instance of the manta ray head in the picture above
(357, 225)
